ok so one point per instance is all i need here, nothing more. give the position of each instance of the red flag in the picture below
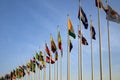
(84, 41)
(47, 49)
(48, 60)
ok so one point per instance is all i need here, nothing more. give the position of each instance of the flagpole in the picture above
(50, 73)
(57, 69)
(60, 57)
(78, 56)
(68, 55)
(109, 52)
(92, 66)
(81, 75)
(54, 70)
(45, 66)
(61, 66)
(28, 77)
(100, 43)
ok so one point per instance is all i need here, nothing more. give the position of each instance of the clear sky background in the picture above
(25, 25)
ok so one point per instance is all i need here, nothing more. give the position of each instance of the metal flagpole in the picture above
(54, 70)
(28, 77)
(57, 69)
(92, 63)
(68, 55)
(81, 75)
(109, 52)
(60, 60)
(100, 42)
(45, 66)
(50, 73)
(33, 76)
(60, 66)
(78, 55)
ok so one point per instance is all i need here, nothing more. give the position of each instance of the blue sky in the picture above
(25, 25)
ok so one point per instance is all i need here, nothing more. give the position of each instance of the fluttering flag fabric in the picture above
(92, 29)
(56, 56)
(111, 14)
(60, 43)
(41, 56)
(70, 45)
(53, 45)
(84, 41)
(33, 65)
(98, 3)
(28, 68)
(48, 60)
(47, 49)
(40, 67)
(84, 20)
(37, 56)
(70, 29)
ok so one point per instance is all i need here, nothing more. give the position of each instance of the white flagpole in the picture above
(68, 55)
(109, 52)
(78, 55)
(100, 43)
(50, 69)
(92, 63)
(50, 74)
(57, 69)
(33, 76)
(29, 77)
(81, 75)
(60, 60)
(45, 66)
(54, 70)
(60, 66)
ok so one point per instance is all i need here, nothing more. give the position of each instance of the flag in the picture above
(53, 45)
(37, 56)
(98, 2)
(60, 43)
(56, 56)
(39, 66)
(21, 71)
(48, 60)
(70, 45)
(47, 49)
(28, 68)
(92, 29)
(32, 65)
(84, 20)
(40, 56)
(84, 41)
(70, 29)
(79, 34)
(111, 14)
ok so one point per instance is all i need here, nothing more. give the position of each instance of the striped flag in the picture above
(70, 29)
(60, 43)
(84, 20)
(84, 41)
(53, 45)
